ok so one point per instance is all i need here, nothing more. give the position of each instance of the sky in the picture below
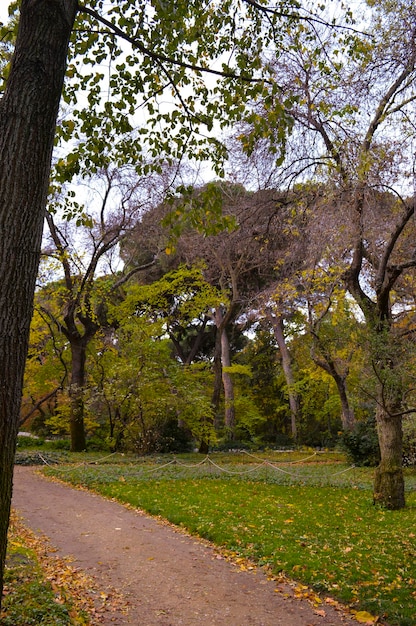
(4, 4)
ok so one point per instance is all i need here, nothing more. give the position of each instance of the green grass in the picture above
(315, 522)
(28, 598)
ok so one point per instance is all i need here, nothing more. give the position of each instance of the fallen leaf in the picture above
(365, 618)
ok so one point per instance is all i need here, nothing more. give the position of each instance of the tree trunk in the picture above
(229, 418)
(76, 392)
(277, 325)
(389, 478)
(347, 414)
(216, 394)
(28, 112)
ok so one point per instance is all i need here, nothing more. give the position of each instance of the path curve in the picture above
(166, 577)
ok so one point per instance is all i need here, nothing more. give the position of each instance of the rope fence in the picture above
(262, 470)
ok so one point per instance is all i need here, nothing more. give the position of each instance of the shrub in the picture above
(57, 444)
(26, 441)
(409, 442)
(361, 444)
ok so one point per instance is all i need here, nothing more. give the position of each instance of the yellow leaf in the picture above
(365, 618)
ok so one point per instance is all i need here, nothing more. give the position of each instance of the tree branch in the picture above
(381, 111)
(121, 281)
(162, 58)
(39, 404)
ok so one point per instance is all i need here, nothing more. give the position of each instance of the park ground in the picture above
(139, 570)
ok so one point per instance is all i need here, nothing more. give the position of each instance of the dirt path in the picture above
(166, 577)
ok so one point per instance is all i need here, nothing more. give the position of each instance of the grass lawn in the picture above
(313, 521)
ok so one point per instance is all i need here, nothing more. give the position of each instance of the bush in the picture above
(26, 441)
(58, 444)
(98, 444)
(361, 444)
(409, 442)
(161, 438)
(233, 445)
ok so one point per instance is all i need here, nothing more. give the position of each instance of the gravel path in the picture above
(166, 577)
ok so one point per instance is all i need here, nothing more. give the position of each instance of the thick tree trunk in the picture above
(28, 112)
(76, 390)
(389, 479)
(277, 325)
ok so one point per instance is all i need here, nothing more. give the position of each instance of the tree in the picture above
(265, 387)
(240, 261)
(353, 133)
(333, 329)
(143, 390)
(277, 323)
(28, 112)
(83, 294)
(324, 338)
(182, 301)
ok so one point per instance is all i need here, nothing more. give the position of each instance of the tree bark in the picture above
(347, 413)
(28, 112)
(222, 344)
(229, 417)
(76, 392)
(388, 478)
(277, 325)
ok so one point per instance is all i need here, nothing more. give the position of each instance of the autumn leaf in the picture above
(363, 617)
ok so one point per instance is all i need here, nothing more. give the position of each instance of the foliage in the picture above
(331, 538)
(139, 390)
(29, 599)
(361, 444)
(409, 442)
(320, 421)
(46, 365)
(158, 62)
(25, 441)
(181, 302)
